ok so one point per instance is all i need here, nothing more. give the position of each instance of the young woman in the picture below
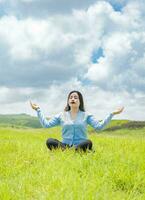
(74, 121)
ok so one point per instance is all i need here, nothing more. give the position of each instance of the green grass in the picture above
(29, 171)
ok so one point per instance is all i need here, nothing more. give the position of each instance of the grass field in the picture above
(29, 171)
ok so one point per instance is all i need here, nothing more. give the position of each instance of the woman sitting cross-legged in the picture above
(74, 121)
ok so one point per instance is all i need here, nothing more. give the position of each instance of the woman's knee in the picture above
(50, 142)
(87, 144)
(90, 143)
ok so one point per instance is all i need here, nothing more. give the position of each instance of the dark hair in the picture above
(81, 107)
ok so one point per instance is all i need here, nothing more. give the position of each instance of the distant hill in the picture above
(126, 125)
(28, 121)
(19, 120)
(122, 124)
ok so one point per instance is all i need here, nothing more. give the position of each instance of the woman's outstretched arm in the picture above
(97, 125)
(54, 121)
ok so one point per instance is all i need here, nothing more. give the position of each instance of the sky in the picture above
(49, 48)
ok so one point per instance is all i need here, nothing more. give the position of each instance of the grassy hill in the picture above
(29, 171)
(19, 120)
(27, 121)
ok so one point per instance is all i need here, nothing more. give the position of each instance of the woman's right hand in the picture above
(34, 106)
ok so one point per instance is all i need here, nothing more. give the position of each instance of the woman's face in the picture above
(73, 100)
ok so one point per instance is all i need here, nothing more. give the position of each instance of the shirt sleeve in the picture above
(97, 125)
(54, 121)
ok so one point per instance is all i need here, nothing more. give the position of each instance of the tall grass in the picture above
(29, 171)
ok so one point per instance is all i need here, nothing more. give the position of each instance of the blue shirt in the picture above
(73, 131)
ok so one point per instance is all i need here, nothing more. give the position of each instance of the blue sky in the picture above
(48, 48)
(96, 54)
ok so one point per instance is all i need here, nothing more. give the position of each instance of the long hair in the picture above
(81, 107)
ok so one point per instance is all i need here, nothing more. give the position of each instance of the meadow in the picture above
(29, 171)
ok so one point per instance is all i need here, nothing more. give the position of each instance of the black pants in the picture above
(54, 144)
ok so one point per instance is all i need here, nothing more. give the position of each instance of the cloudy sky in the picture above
(50, 47)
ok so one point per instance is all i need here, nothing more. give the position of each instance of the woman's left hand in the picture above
(118, 111)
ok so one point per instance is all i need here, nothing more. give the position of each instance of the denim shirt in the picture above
(73, 131)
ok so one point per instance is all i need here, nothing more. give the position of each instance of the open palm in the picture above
(34, 106)
(118, 111)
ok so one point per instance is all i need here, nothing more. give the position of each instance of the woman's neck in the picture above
(74, 110)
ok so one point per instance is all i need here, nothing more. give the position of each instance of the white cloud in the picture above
(123, 59)
(53, 100)
(43, 57)
(29, 37)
